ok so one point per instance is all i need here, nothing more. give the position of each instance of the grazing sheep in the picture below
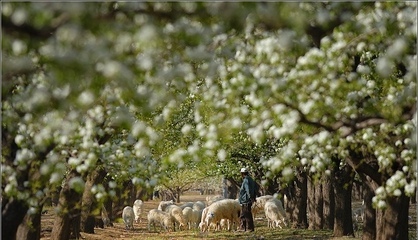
(163, 205)
(223, 209)
(199, 205)
(274, 215)
(188, 204)
(176, 214)
(224, 224)
(138, 210)
(157, 216)
(212, 199)
(192, 217)
(202, 225)
(128, 217)
(258, 206)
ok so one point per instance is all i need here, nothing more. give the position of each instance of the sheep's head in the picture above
(209, 218)
(202, 226)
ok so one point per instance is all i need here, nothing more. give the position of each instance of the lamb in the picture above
(176, 214)
(138, 210)
(157, 216)
(223, 209)
(274, 214)
(128, 217)
(163, 205)
(192, 217)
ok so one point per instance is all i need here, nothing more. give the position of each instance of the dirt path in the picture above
(118, 230)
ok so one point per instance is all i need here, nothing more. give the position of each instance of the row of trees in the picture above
(95, 95)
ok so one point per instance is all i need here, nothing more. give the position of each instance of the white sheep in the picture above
(188, 204)
(275, 216)
(192, 216)
(202, 225)
(162, 218)
(223, 209)
(138, 210)
(163, 205)
(176, 214)
(199, 205)
(212, 199)
(128, 217)
(259, 204)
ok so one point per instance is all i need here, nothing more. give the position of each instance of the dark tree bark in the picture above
(89, 203)
(30, 228)
(391, 223)
(311, 203)
(395, 219)
(369, 222)
(319, 210)
(297, 195)
(343, 223)
(13, 213)
(14, 210)
(329, 202)
(67, 221)
(230, 188)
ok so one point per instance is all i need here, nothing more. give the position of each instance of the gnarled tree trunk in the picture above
(30, 228)
(343, 222)
(311, 203)
(13, 213)
(89, 203)
(394, 219)
(319, 210)
(369, 219)
(67, 221)
(230, 188)
(297, 195)
(329, 202)
(316, 204)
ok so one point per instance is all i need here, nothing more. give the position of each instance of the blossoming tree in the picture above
(93, 85)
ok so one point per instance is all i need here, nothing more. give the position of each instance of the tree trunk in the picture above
(89, 202)
(319, 210)
(14, 210)
(329, 204)
(230, 188)
(30, 228)
(13, 213)
(67, 221)
(395, 219)
(369, 219)
(297, 195)
(343, 222)
(391, 223)
(311, 203)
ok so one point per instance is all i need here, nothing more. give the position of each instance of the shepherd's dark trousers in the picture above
(247, 222)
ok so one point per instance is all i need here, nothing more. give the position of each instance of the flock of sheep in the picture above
(217, 213)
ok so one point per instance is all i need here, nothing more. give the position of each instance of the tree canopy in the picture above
(141, 88)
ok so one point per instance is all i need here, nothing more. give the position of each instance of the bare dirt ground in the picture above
(140, 232)
(118, 230)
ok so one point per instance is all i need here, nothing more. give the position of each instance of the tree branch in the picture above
(30, 30)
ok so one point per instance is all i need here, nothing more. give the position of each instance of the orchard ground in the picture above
(141, 232)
